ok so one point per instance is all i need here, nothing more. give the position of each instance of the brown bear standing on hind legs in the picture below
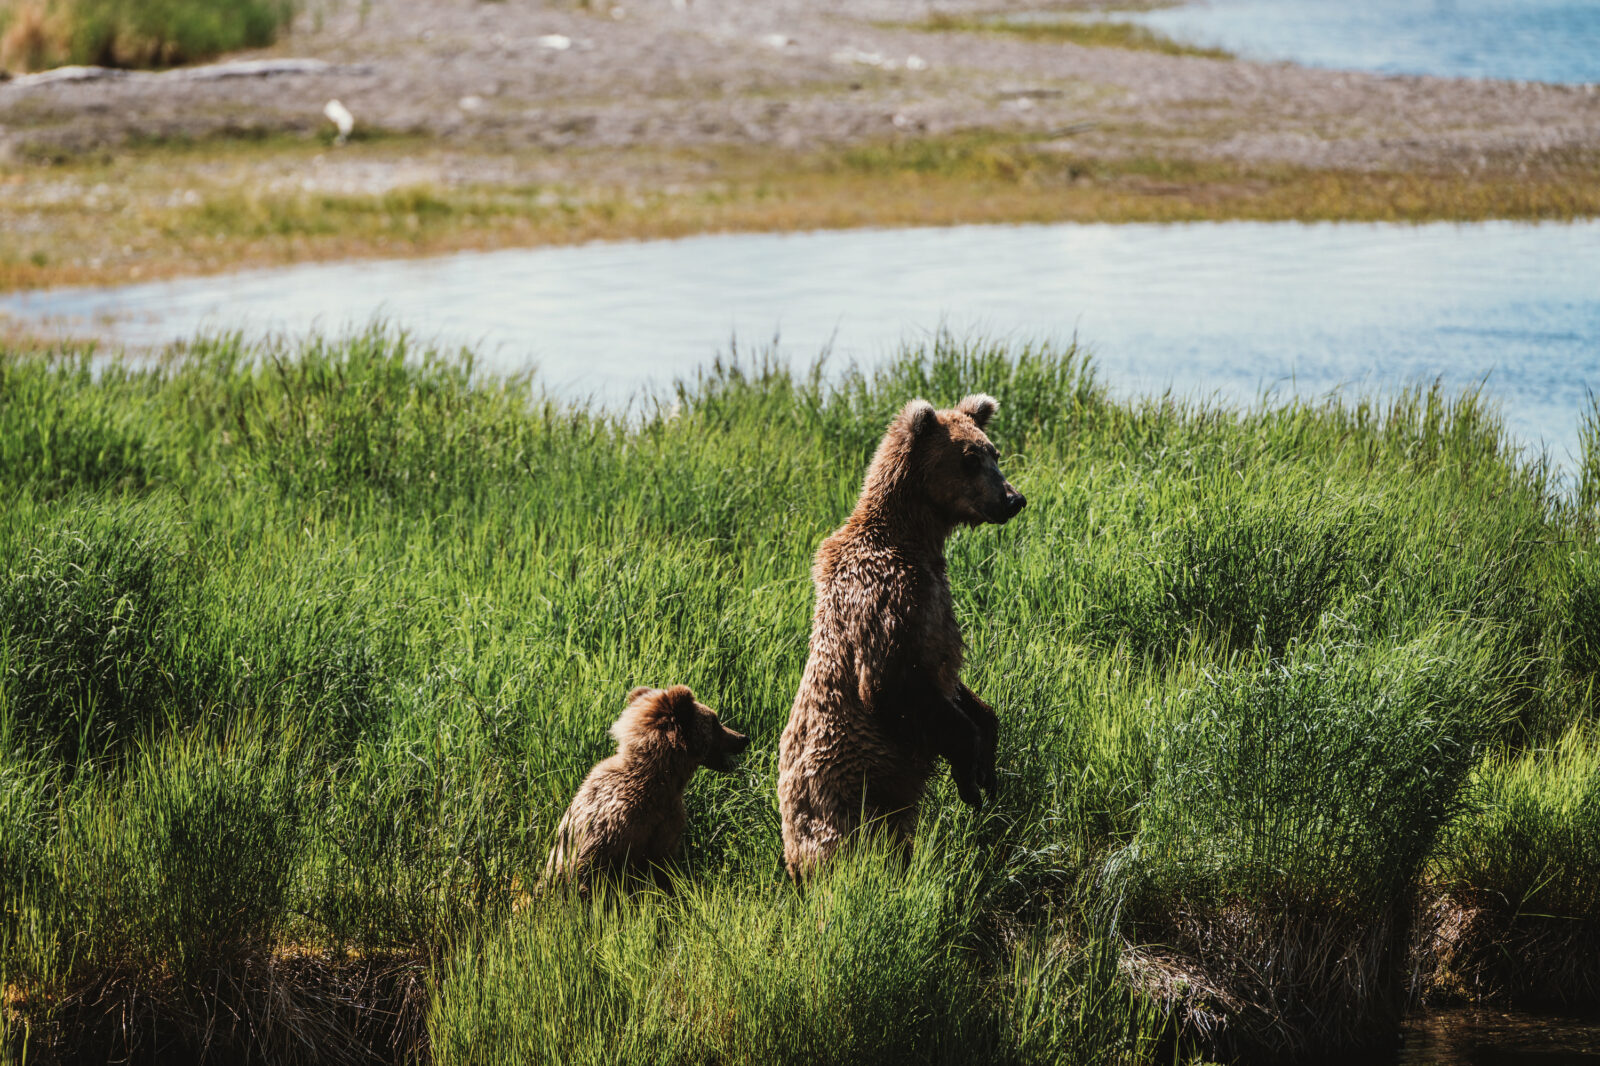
(628, 815)
(882, 696)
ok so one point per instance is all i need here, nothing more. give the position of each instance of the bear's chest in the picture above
(935, 630)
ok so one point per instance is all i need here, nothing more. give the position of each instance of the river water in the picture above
(1525, 40)
(1214, 310)
(1498, 1038)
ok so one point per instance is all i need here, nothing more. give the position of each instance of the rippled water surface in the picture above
(1216, 309)
(1495, 1038)
(1527, 40)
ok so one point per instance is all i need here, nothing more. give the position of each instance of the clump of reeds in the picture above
(1292, 811)
(1517, 914)
(1588, 487)
(90, 611)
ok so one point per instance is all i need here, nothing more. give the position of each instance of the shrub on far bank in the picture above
(38, 34)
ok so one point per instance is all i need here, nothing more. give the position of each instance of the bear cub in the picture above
(628, 815)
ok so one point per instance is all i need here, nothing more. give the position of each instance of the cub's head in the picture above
(948, 457)
(671, 716)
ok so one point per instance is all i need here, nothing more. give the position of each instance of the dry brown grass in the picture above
(292, 1006)
(37, 34)
(1465, 952)
(31, 38)
(1273, 987)
(160, 212)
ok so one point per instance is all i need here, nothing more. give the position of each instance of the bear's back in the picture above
(869, 593)
(621, 816)
(869, 589)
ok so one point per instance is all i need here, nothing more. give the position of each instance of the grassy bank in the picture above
(303, 650)
(1089, 31)
(39, 34)
(171, 210)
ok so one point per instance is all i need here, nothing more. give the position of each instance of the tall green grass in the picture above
(1518, 904)
(304, 648)
(1535, 840)
(873, 963)
(1294, 805)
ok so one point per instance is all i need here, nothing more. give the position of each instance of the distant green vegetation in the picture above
(36, 34)
(303, 650)
(1091, 32)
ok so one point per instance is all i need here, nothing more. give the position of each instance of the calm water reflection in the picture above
(1487, 1038)
(1527, 40)
(1224, 309)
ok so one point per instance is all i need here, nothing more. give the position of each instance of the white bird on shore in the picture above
(341, 117)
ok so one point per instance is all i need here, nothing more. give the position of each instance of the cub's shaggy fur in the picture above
(628, 815)
(882, 697)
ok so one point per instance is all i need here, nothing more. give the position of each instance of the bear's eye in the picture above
(972, 460)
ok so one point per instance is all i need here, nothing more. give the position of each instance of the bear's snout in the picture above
(729, 745)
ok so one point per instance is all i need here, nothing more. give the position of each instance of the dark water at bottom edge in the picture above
(1478, 1037)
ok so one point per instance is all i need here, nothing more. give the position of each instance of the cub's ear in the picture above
(917, 417)
(640, 691)
(680, 701)
(980, 407)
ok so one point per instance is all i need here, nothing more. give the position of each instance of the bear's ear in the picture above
(917, 417)
(636, 693)
(680, 701)
(980, 407)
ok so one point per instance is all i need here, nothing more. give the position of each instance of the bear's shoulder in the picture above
(852, 552)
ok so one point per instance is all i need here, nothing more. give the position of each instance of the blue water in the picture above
(1214, 310)
(1525, 40)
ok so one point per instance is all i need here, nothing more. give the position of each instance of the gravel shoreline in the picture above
(508, 124)
(792, 74)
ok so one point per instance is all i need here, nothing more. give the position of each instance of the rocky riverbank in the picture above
(651, 119)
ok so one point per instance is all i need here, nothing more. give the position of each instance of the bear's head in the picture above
(672, 717)
(946, 460)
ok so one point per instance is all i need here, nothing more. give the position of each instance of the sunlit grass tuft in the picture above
(1535, 842)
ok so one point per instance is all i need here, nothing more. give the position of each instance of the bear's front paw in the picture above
(967, 786)
(987, 779)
